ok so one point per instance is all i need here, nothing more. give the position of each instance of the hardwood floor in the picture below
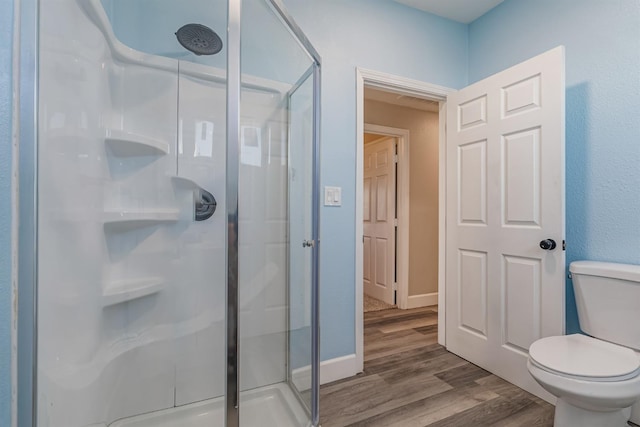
(409, 380)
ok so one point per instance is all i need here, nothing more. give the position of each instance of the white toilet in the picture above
(596, 378)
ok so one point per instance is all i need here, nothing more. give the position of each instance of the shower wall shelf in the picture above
(120, 291)
(141, 218)
(126, 144)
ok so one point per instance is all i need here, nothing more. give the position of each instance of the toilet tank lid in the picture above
(606, 269)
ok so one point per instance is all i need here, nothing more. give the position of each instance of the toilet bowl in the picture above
(596, 382)
(595, 377)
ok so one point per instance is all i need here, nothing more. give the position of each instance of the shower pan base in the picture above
(273, 405)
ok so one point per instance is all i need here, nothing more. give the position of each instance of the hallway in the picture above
(409, 380)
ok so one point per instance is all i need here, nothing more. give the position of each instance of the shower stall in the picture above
(169, 215)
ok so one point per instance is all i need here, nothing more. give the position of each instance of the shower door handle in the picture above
(308, 243)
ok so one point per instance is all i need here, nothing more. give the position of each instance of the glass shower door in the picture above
(301, 244)
(275, 222)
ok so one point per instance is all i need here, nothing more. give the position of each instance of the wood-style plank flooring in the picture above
(409, 380)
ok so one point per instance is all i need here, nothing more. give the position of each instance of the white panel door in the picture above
(505, 194)
(379, 219)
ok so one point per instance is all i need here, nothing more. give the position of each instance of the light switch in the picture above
(333, 196)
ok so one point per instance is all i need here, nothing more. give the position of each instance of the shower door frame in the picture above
(26, 27)
(312, 72)
(234, 80)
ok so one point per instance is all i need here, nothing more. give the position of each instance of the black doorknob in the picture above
(548, 244)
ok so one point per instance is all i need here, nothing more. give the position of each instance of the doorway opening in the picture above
(400, 194)
(400, 203)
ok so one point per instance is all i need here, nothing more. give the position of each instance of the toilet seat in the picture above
(584, 358)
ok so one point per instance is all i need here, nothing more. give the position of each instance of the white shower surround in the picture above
(131, 290)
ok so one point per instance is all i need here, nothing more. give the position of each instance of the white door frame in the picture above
(404, 86)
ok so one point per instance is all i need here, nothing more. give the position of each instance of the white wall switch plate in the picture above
(333, 196)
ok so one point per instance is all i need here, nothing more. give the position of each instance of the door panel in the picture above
(505, 193)
(367, 259)
(379, 215)
(381, 263)
(367, 199)
(473, 291)
(521, 179)
(382, 184)
(473, 183)
(522, 284)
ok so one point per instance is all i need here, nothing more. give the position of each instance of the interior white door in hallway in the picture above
(505, 199)
(379, 219)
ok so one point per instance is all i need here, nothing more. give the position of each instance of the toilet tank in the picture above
(608, 300)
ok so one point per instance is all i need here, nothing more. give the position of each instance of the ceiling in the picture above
(464, 11)
(401, 100)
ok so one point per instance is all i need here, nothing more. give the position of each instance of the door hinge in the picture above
(564, 245)
(395, 286)
(395, 158)
(395, 222)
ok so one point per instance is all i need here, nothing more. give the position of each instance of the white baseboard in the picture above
(422, 300)
(338, 368)
(330, 370)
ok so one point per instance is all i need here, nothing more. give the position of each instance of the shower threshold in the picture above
(273, 405)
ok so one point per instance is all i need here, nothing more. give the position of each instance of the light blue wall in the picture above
(6, 42)
(602, 40)
(384, 36)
